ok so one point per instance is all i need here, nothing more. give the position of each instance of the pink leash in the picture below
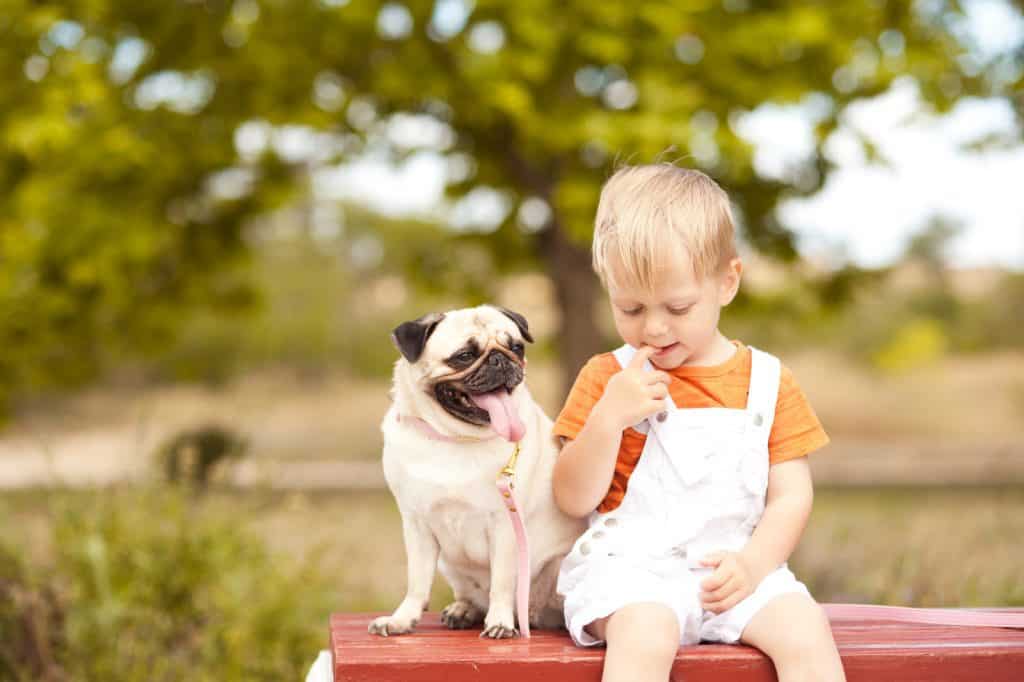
(506, 483)
(904, 614)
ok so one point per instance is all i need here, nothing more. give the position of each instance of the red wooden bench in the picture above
(872, 651)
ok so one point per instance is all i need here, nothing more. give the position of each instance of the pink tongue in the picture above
(504, 417)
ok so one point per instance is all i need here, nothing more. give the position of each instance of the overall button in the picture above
(758, 419)
(662, 416)
(585, 549)
(611, 522)
(598, 535)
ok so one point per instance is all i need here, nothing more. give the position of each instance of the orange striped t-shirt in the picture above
(796, 430)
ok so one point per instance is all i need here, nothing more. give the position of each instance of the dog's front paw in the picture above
(390, 625)
(461, 615)
(499, 626)
(500, 631)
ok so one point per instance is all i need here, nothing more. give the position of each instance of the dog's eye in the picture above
(463, 358)
(516, 348)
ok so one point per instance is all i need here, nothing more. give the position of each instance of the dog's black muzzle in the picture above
(495, 372)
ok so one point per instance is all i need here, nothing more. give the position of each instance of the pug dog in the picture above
(458, 405)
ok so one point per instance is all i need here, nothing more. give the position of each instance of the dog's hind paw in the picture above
(389, 625)
(461, 615)
(499, 632)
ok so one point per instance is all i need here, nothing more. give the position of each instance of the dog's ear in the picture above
(520, 321)
(411, 337)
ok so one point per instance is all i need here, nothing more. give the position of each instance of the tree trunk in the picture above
(568, 265)
(576, 292)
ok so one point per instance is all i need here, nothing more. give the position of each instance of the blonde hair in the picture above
(647, 213)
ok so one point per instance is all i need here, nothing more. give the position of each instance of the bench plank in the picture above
(871, 651)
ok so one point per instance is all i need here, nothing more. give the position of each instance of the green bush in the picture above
(30, 624)
(916, 343)
(149, 589)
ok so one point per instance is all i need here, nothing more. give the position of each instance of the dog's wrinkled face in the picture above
(470, 361)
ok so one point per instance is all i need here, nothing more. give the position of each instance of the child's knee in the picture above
(806, 650)
(813, 666)
(647, 630)
(789, 627)
(649, 645)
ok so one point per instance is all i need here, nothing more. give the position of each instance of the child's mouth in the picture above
(665, 350)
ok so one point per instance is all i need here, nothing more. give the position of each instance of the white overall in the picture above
(698, 487)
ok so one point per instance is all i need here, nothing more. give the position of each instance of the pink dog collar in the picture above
(433, 434)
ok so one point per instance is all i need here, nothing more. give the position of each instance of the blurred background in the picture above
(212, 213)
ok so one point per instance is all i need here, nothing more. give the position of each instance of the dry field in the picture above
(960, 421)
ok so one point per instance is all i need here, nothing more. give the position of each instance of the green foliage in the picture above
(918, 342)
(30, 623)
(326, 307)
(897, 327)
(118, 121)
(150, 589)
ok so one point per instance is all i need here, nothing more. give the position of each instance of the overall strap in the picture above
(765, 373)
(624, 355)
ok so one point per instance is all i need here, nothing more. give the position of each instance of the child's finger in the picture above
(720, 594)
(659, 377)
(715, 580)
(712, 559)
(722, 605)
(655, 406)
(643, 354)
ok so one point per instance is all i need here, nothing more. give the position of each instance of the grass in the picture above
(148, 584)
(914, 546)
(143, 585)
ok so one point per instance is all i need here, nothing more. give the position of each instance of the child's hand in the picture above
(731, 582)
(633, 394)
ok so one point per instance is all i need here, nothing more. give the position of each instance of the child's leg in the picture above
(794, 632)
(642, 642)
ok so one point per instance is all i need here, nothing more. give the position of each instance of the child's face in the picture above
(679, 315)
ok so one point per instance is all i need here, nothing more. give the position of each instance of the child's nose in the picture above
(654, 326)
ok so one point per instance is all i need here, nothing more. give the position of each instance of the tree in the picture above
(108, 218)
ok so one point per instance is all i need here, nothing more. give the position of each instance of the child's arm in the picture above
(584, 468)
(787, 508)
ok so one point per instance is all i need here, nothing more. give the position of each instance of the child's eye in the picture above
(680, 311)
(633, 312)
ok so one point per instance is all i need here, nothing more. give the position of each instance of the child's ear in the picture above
(730, 282)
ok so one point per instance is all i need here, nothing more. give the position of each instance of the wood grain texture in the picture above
(871, 651)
